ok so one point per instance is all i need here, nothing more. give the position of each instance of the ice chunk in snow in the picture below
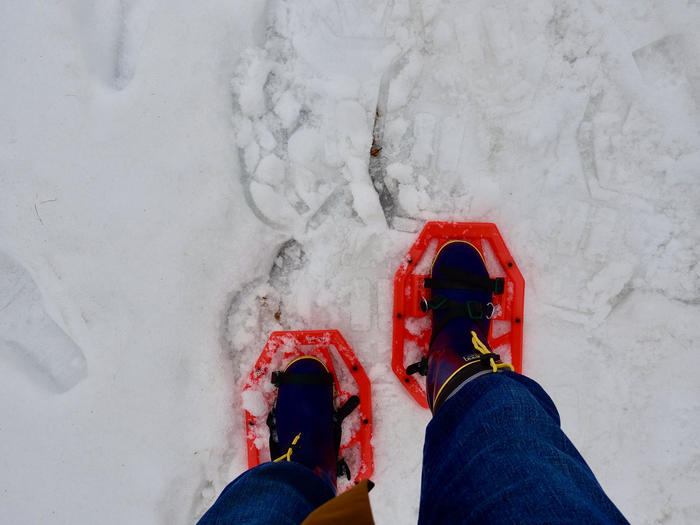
(423, 132)
(287, 109)
(418, 325)
(254, 402)
(409, 199)
(265, 138)
(27, 331)
(352, 121)
(303, 146)
(400, 172)
(249, 86)
(366, 204)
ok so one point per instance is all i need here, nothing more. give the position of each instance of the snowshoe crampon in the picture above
(350, 381)
(412, 322)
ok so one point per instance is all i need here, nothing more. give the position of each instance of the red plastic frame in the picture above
(408, 289)
(283, 347)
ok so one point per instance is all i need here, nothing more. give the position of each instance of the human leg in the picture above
(280, 493)
(302, 475)
(495, 453)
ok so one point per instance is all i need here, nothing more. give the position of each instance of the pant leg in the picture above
(282, 493)
(495, 453)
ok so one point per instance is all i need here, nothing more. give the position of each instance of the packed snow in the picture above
(180, 179)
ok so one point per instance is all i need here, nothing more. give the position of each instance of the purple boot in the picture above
(304, 425)
(461, 301)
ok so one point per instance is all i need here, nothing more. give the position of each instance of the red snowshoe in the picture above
(413, 302)
(300, 362)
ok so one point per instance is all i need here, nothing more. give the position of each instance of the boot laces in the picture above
(287, 456)
(484, 351)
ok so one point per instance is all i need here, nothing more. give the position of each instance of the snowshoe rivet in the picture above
(399, 316)
(410, 260)
(251, 423)
(407, 380)
(510, 264)
(354, 368)
(517, 319)
(365, 421)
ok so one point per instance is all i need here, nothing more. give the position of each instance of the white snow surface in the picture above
(179, 179)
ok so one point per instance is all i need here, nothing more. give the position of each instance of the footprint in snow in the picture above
(29, 338)
(112, 33)
(305, 103)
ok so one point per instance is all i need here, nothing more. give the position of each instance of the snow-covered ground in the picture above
(178, 179)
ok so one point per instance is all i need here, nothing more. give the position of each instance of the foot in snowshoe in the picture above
(304, 425)
(462, 306)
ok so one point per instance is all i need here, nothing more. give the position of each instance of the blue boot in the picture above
(304, 426)
(461, 301)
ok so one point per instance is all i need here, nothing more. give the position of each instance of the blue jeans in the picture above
(494, 453)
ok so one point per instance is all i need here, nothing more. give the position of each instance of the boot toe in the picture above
(462, 255)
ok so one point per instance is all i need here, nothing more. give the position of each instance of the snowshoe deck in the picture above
(412, 326)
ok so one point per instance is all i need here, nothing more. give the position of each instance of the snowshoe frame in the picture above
(280, 349)
(412, 332)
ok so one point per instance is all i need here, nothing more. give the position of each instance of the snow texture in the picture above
(176, 183)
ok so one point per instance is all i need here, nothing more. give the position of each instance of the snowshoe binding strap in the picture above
(421, 367)
(274, 439)
(460, 280)
(282, 378)
(471, 309)
(343, 469)
(343, 411)
(346, 409)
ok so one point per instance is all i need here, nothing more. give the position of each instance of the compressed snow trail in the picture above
(181, 179)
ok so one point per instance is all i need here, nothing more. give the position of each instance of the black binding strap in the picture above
(287, 378)
(455, 310)
(345, 410)
(274, 439)
(338, 416)
(421, 367)
(343, 469)
(460, 280)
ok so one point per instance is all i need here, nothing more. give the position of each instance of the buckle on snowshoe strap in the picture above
(460, 280)
(476, 310)
(472, 310)
(435, 303)
(286, 378)
(421, 367)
